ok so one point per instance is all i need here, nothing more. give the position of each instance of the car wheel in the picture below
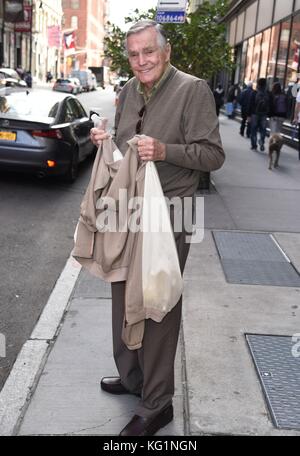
(72, 172)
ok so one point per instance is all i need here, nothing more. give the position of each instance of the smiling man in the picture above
(176, 113)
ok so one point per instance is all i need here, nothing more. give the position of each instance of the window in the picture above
(75, 4)
(283, 51)
(65, 4)
(294, 52)
(273, 54)
(243, 62)
(249, 59)
(81, 112)
(256, 57)
(74, 22)
(265, 45)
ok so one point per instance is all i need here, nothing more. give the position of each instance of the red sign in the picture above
(25, 26)
(54, 36)
(69, 40)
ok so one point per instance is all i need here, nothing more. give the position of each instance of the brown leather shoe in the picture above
(139, 425)
(113, 385)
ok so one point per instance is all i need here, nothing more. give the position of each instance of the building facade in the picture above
(87, 19)
(265, 36)
(45, 55)
(26, 44)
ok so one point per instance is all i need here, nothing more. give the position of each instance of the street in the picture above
(38, 219)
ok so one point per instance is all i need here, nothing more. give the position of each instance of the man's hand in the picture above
(151, 149)
(97, 135)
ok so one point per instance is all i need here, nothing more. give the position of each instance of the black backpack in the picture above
(262, 103)
(280, 104)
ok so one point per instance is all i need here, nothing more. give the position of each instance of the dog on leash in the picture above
(275, 145)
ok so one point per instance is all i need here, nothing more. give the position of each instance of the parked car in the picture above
(85, 78)
(10, 81)
(44, 133)
(69, 85)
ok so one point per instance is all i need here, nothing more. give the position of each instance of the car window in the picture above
(80, 108)
(70, 115)
(53, 110)
(21, 105)
(75, 107)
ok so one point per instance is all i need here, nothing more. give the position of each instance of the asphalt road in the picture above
(37, 223)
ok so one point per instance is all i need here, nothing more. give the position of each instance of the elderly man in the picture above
(176, 113)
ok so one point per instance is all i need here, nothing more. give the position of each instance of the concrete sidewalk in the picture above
(54, 386)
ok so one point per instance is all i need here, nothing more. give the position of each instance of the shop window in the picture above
(265, 46)
(256, 57)
(249, 59)
(283, 51)
(273, 54)
(294, 52)
(243, 63)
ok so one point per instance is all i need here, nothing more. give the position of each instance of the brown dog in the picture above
(275, 145)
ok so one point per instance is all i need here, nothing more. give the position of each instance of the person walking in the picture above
(244, 101)
(259, 110)
(176, 113)
(232, 97)
(278, 108)
(219, 98)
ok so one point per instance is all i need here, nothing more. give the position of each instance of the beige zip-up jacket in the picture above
(116, 255)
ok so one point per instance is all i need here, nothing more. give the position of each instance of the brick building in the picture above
(87, 18)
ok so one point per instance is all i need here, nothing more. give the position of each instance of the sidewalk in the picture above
(54, 386)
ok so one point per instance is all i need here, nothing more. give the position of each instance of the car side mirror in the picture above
(92, 113)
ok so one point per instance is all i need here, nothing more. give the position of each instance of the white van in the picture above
(85, 78)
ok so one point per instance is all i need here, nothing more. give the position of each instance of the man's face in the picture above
(147, 59)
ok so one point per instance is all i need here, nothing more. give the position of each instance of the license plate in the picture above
(8, 136)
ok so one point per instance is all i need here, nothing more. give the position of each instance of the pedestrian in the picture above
(232, 98)
(259, 110)
(244, 101)
(278, 108)
(28, 79)
(49, 76)
(219, 98)
(176, 113)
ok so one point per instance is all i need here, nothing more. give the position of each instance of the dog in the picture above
(275, 145)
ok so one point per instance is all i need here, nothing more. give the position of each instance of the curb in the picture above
(22, 380)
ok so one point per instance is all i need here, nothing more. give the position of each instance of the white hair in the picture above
(143, 25)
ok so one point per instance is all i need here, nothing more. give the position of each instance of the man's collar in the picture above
(148, 95)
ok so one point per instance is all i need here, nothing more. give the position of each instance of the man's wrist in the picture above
(163, 152)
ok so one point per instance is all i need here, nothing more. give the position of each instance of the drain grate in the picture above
(254, 259)
(277, 362)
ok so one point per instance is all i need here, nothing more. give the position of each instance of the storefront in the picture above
(265, 35)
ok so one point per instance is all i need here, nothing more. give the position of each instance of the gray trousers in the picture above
(149, 371)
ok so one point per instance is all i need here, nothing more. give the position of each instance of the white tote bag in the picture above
(161, 276)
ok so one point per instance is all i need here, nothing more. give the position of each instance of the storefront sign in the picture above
(25, 26)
